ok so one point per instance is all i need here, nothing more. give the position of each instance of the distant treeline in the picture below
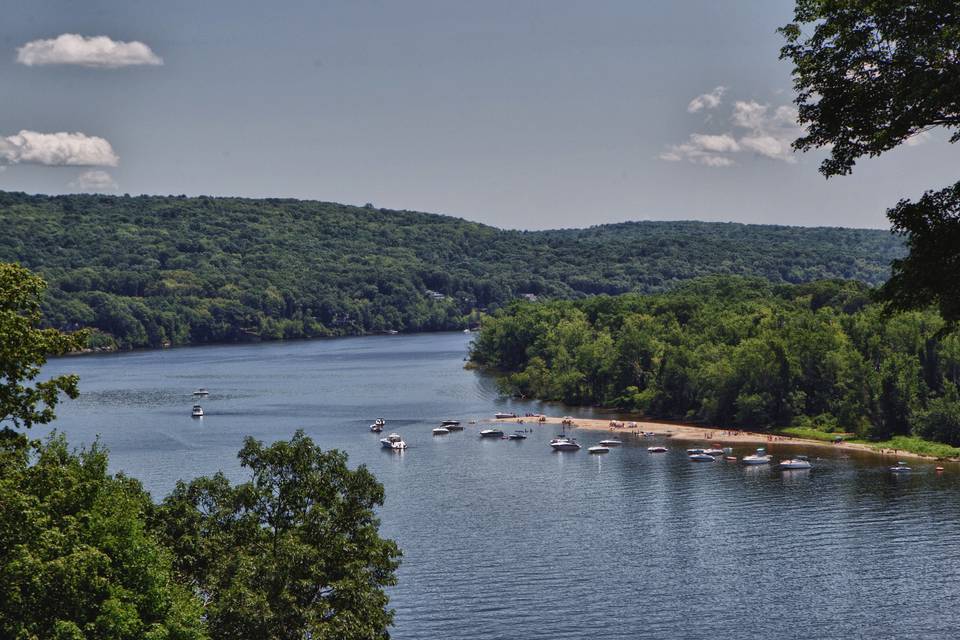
(737, 352)
(148, 271)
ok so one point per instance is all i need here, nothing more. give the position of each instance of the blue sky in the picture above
(518, 114)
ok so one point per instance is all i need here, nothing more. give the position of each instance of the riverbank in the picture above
(706, 435)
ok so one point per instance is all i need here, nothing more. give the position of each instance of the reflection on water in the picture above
(508, 539)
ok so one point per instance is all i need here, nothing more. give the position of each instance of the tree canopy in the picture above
(871, 75)
(149, 270)
(77, 560)
(739, 353)
(292, 553)
(24, 348)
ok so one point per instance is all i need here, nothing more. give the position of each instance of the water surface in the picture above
(507, 539)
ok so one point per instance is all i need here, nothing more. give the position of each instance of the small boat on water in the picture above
(393, 442)
(197, 411)
(656, 449)
(449, 423)
(517, 435)
(599, 449)
(901, 467)
(797, 462)
(613, 442)
(701, 457)
(714, 452)
(441, 431)
(563, 443)
(504, 415)
(648, 434)
(201, 392)
(760, 457)
(690, 452)
(491, 433)
(378, 425)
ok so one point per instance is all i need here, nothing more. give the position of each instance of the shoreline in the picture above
(690, 433)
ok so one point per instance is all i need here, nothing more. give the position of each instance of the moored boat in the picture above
(795, 463)
(378, 425)
(656, 449)
(449, 423)
(599, 449)
(613, 442)
(491, 433)
(394, 442)
(197, 411)
(201, 392)
(503, 415)
(760, 457)
(714, 452)
(901, 467)
(563, 443)
(517, 435)
(701, 457)
(441, 431)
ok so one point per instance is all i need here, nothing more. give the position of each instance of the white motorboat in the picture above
(441, 431)
(760, 457)
(394, 442)
(599, 449)
(901, 467)
(517, 435)
(201, 392)
(701, 457)
(656, 449)
(798, 462)
(714, 452)
(504, 415)
(611, 443)
(197, 411)
(690, 452)
(378, 425)
(648, 434)
(563, 443)
(491, 433)
(450, 423)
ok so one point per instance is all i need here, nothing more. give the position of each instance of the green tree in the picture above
(869, 76)
(292, 553)
(24, 348)
(76, 558)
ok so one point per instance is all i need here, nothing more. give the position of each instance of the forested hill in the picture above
(152, 270)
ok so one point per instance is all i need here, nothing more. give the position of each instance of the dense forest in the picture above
(741, 352)
(149, 271)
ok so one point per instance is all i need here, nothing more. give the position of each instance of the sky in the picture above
(514, 113)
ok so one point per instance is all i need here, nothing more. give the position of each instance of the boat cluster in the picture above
(757, 458)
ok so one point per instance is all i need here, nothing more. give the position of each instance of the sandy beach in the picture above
(706, 435)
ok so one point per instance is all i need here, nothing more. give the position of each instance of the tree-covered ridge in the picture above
(737, 352)
(151, 270)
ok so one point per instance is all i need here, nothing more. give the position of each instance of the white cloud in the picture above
(57, 149)
(709, 100)
(95, 181)
(703, 149)
(95, 51)
(770, 133)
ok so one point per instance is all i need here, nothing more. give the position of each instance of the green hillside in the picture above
(151, 270)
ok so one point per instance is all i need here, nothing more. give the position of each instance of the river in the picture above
(508, 539)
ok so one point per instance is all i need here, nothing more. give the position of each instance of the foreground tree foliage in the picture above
(293, 553)
(76, 558)
(24, 348)
(740, 353)
(147, 271)
(871, 75)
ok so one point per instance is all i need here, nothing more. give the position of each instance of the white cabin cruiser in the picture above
(656, 449)
(798, 462)
(599, 449)
(394, 442)
(201, 392)
(701, 457)
(517, 435)
(690, 452)
(563, 443)
(451, 425)
(378, 425)
(714, 452)
(441, 431)
(197, 411)
(502, 415)
(613, 442)
(901, 467)
(491, 433)
(760, 457)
